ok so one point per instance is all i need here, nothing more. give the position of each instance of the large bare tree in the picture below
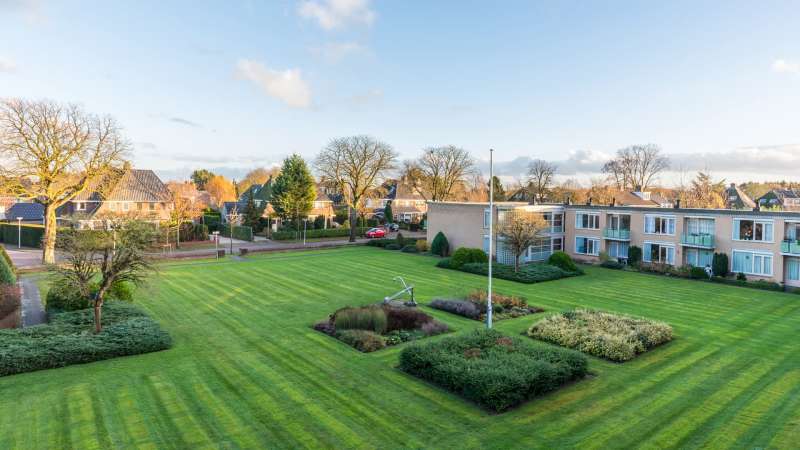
(636, 167)
(519, 230)
(52, 152)
(355, 165)
(540, 178)
(436, 174)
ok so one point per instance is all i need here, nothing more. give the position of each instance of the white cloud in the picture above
(7, 65)
(333, 14)
(366, 98)
(287, 85)
(783, 66)
(336, 51)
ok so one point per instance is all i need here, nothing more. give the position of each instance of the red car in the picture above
(375, 233)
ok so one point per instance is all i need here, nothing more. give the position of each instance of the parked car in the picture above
(375, 233)
(392, 226)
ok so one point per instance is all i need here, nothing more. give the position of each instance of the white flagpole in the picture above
(491, 238)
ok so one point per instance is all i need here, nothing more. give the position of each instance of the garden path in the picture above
(32, 310)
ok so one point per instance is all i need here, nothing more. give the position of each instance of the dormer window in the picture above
(80, 206)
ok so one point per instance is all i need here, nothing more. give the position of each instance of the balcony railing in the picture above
(790, 247)
(613, 233)
(698, 240)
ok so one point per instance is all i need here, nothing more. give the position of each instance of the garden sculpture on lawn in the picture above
(406, 289)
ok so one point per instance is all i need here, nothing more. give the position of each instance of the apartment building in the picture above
(761, 244)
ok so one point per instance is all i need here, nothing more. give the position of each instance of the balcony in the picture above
(698, 240)
(616, 234)
(790, 247)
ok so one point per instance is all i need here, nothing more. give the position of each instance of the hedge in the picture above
(242, 233)
(330, 232)
(493, 370)
(32, 235)
(528, 273)
(68, 339)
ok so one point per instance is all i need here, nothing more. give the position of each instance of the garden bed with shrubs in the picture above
(493, 370)
(405, 245)
(614, 337)
(373, 327)
(473, 306)
(474, 260)
(69, 339)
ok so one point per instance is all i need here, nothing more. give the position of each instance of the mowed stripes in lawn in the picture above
(247, 371)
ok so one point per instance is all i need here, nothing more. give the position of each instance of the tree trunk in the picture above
(516, 262)
(353, 223)
(49, 242)
(98, 305)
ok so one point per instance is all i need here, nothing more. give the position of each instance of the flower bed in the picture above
(373, 327)
(493, 370)
(615, 337)
(473, 306)
(528, 273)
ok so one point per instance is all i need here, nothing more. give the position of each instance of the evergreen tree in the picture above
(252, 213)
(387, 212)
(294, 192)
(499, 193)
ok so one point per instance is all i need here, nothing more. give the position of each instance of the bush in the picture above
(563, 261)
(529, 273)
(10, 304)
(68, 339)
(405, 318)
(289, 234)
(380, 242)
(31, 234)
(372, 318)
(362, 340)
(758, 284)
(392, 247)
(422, 245)
(463, 308)
(464, 255)
(440, 246)
(399, 240)
(616, 337)
(242, 233)
(611, 264)
(433, 328)
(63, 295)
(409, 249)
(719, 265)
(443, 263)
(698, 273)
(634, 255)
(495, 371)
(7, 258)
(741, 276)
(7, 275)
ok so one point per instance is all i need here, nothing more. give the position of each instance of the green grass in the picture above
(246, 371)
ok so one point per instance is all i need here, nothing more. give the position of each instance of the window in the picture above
(486, 219)
(80, 206)
(793, 269)
(587, 246)
(558, 223)
(699, 258)
(152, 206)
(753, 230)
(558, 244)
(659, 225)
(619, 222)
(618, 249)
(658, 253)
(126, 206)
(587, 221)
(540, 250)
(697, 226)
(112, 206)
(752, 263)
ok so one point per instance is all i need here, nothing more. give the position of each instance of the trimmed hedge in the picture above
(529, 273)
(616, 337)
(68, 339)
(243, 233)
(330, 232)
(465, 255)
(32, 235)
(493, 370)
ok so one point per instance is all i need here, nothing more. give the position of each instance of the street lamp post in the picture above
(216, 243)
(491, 236)
(19, 232)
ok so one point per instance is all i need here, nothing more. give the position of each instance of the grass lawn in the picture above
(246, 370)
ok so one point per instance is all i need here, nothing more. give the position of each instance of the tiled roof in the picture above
(28, 211)
(129, 185)
(397, 189)
(786, 193)
(742, 199)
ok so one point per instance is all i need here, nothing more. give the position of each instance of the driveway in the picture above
(25, 257)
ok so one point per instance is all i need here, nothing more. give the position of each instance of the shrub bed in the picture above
(373, 327)
(69, 339)
(465, 255)
(528, 273)
(473, 306)
(493, 370)
(310, 234)
(615, 337)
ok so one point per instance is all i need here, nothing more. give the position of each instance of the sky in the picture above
(230, 86)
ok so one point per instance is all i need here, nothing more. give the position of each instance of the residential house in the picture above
(736, 198)
(26, 212)
(128, 192)
(262, 197)
(782, 199)
(407, 204)
(761, 244)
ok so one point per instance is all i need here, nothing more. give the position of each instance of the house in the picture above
(736, 198)
(784, 199)
(407, 204)
(135, 193)
(644, 199)
(262, 197)
(764, 245)
(27, 212)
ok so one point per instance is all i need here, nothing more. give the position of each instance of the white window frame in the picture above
(126, 206)
(80, 206)
(588, 238)
(579, 222)
(754, 253)
(646, 255)
(663, 217)
(486, 216)
(736, 227)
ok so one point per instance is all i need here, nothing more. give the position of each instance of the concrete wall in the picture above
(461, 223)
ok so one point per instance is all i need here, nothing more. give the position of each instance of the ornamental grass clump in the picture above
(615, 337)
(371, 318)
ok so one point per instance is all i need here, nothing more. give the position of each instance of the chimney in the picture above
(613, 202)
(757, 208)
(678, 204)
(733, 185)
(589, 201)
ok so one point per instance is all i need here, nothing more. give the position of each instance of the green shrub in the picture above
(493, 370)
(529, 273)
(443, 263)
(31, 234)
(372, 318)
(563, 261)
(464, 255)
(634, 255)
(741, 276)
(719, 265)
(380, 242)
(440, 246)
(362, 340)
(409, 249)
(63, 295)
(422, 245)
(68, 339)
(7, 275)
(4, 254)
(616, 337)
(399, 240)
(243, 233)
(289, 234)
(392, 247)
(611, 264)
(698, 273)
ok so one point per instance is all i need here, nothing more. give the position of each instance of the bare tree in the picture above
(636, 167)
(540, 177)
(355, 165)
(52, 152)
(435, 175)
(520, 230)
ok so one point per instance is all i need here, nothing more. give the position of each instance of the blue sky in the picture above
(236, 85)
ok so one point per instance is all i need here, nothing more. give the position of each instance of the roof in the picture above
(407, 210)
(736, 198)
(132, 185)
(322, 196)
(698, 211)
(785, 193)
(240, 206)
(398, 189)
(28, 211)
(260, 192)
